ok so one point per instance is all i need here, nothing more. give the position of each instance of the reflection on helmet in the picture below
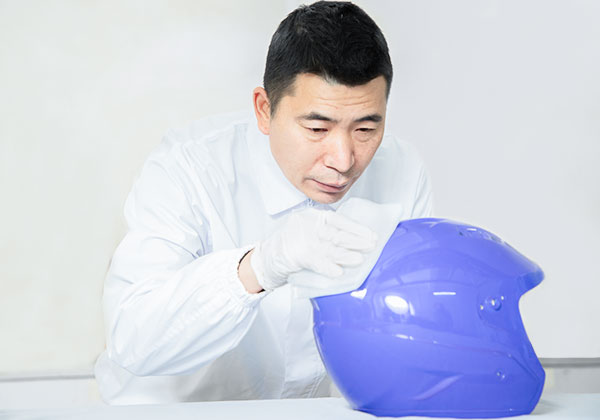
(435, 329)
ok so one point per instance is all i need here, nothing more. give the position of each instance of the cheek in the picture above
(295, 154)
(304, 156)
(364, 153)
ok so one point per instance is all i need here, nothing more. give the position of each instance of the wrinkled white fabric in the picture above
(316, 240)
(179, 324)
(381, 219)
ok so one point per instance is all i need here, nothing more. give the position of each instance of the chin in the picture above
(323, 197)
(326, 198)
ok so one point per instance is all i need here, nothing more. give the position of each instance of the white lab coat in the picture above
(179, 324)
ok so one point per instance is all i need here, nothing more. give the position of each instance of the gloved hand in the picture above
(319, 240)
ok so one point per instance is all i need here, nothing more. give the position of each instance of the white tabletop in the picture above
(550, 406)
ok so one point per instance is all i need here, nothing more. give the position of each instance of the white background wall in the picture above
(500, 97)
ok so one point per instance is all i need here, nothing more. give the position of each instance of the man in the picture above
(196, 301)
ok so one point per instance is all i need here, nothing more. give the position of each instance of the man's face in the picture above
(324, 135)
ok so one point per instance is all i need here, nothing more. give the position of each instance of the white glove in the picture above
(319, 240)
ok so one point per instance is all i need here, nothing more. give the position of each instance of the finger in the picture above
(344, 223)
(344, 257)
(326, 267)
(327, 232)
(351, 241)
(323, 263)
(344, 239)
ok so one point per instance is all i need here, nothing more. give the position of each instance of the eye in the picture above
(365, 134)
(317, 130)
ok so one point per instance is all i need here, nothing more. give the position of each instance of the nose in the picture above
(340, 153)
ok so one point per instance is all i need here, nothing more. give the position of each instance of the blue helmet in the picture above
(435, 328)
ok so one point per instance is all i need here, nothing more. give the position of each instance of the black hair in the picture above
(336, 40)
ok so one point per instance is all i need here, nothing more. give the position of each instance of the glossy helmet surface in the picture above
(435, 328)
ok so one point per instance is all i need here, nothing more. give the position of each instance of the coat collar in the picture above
(277, 192)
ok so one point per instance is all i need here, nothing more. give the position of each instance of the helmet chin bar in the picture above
(435, 329)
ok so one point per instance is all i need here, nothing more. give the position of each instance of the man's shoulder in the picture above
(203, 141)
(208, 129)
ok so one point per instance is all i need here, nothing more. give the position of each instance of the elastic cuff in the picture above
(234, 284)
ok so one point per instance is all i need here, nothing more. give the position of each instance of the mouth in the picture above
(331, 187)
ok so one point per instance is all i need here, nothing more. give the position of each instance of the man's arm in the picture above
(168, 311)
(247, 276)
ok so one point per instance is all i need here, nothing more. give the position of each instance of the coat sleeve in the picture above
(171, 305)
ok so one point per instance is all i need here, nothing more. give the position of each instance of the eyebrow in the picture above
(319, 117)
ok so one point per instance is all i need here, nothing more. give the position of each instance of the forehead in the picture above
(312, 92)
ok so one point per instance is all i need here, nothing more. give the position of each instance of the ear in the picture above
(262, 109)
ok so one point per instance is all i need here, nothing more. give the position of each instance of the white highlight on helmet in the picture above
(359, 294)
(397, 304)
(406, 337)
(444, 293)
